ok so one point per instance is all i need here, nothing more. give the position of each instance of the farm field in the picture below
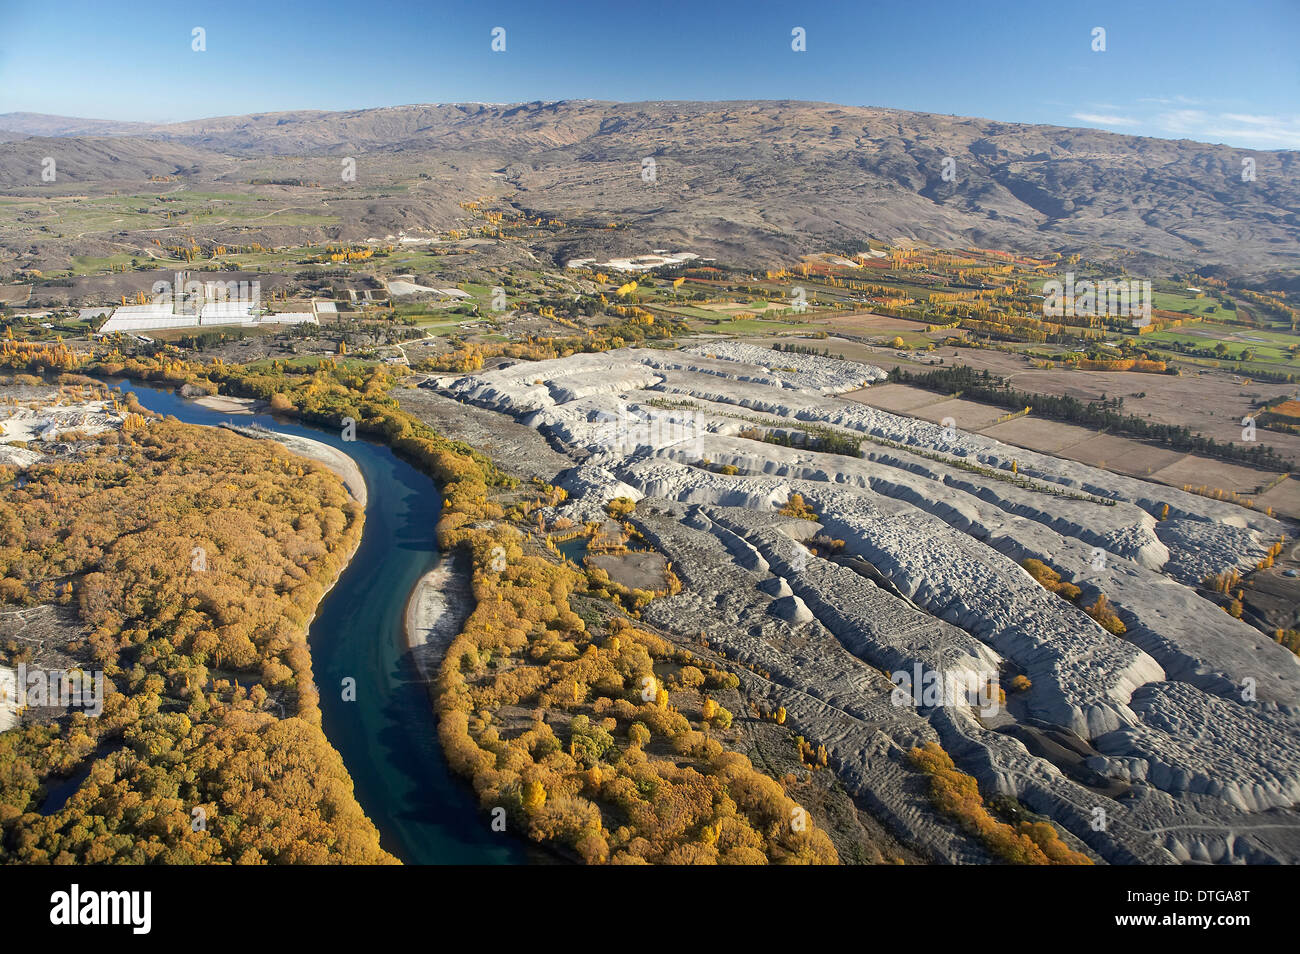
(1193, 471)
(1135, 458)
(968, 415)
(1284, 498)
(1170, 301)
(872, 324)
(75, 215)
(1208, 402)
(1036, 433)
(746, 326)
(1270, 348)
(1120, 455)
(897, 398)
(1212, 403)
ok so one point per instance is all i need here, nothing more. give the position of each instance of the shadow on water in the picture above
(59, 792)
(388, 737)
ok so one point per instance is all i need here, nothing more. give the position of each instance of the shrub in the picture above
(1106, 618)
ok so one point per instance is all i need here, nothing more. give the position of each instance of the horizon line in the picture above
(593, 101)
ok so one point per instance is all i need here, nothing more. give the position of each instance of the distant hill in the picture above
(42, 124)
(103, 159)
(754, 182)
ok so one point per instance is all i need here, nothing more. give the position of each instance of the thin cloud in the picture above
(1239, 129)
(1101, 119)
(1182, 121)
(1171, 101)
(1253, 120)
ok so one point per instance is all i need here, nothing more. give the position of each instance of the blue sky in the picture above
(1226, 71)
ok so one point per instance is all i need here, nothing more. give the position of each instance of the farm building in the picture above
(151, 317)
(154, 317)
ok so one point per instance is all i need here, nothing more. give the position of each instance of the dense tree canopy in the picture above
(607, 745)
(195, 559)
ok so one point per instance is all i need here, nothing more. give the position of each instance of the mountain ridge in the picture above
(756, 181)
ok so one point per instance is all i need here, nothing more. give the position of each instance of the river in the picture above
(388, 737)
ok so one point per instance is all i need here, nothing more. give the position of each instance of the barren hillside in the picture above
(751, 181)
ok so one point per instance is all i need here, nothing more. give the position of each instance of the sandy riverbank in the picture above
(230, 405)
(435, 611)
(8, 698)
(333, 458)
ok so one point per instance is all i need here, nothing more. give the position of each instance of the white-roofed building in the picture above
(149, 323)
(145, 318)
(152, 308)
(227, 313)
(215, 314)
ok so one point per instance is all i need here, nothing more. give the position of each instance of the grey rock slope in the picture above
(1180, 736)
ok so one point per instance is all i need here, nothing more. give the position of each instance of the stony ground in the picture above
(1170, 742)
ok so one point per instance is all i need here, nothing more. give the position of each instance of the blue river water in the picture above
(388, 737)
